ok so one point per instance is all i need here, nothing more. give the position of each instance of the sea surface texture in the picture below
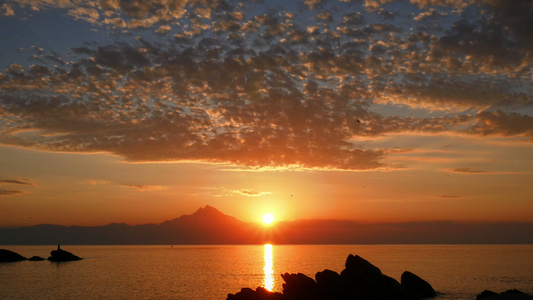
(211, 272)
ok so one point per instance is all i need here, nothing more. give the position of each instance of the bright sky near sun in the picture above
(371, 110)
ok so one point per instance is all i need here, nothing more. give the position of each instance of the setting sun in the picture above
(268, 218)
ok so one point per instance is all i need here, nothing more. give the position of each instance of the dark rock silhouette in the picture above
(417, 286)
(35, 258)
(332, 284)
(60, 255)
(260, 294)
(299, 286)
(369, 283)
(359, 280)
(10, 256)
(507, 295)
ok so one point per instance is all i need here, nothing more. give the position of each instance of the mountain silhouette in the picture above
(209, 226)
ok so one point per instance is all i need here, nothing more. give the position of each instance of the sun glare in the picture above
(268, 218)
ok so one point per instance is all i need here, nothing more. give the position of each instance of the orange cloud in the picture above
(250, 193)
(143, 188)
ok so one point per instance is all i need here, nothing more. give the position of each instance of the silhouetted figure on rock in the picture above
(62, 255)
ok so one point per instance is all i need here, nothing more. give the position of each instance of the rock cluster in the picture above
(359, 280)
(507, 295)
(58, 255)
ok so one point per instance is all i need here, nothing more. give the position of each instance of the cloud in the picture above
(96, 182)
(250, 193)
(6, 10)
(17, 181)
(4, 192)
(466, 170)
(503, 124)
(14, 192)
(143, 188)
(312, 3)
(266, 87)
(448, 196)
(90, 15)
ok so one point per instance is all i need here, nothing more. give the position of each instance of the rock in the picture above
(507, 295)
(331, 284)
(369, 283)
(60, 255)
(485, 294)
(417, 286)
(35, 258)
(244, 294)
(259, 294)
(394, 290)
(299, 286)
(10, 256)
(359, 280)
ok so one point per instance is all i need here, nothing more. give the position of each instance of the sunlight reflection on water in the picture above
(269, 272)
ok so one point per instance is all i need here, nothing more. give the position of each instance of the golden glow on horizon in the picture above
(268, 218)
(268, 269)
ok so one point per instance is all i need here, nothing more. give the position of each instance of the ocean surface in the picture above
(211, 272)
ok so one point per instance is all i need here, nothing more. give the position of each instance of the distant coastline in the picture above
(210, 226)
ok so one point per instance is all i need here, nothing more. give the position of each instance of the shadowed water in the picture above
(211, 272)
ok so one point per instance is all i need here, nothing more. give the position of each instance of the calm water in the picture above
(211, 272)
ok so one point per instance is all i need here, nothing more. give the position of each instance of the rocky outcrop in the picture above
(10, 256)
(60, 255)
(35, 258)
(259, 294)
(359, 280)
(507, 295)
(417, 286)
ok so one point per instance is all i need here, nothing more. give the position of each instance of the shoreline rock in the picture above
(417, 286)
(507, 295)
(35, 258)
(10, 256)
(60, 255)
(359, 280)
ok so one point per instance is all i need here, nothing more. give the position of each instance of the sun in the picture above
(268, 218)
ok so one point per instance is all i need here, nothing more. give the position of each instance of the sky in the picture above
(371, 110)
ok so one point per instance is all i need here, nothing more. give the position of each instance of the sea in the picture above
(211, 272)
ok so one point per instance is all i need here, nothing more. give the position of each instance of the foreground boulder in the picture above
(359, 280)
(507, 295)
(417, 286)
(10, 256)
(368, 282)
(60, 255)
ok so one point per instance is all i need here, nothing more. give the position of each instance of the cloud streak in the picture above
(17, 182)
(250, 193)
(14, 192)
(143, 188)
(5, 192)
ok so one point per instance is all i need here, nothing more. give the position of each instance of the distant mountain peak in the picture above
(208, 211)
